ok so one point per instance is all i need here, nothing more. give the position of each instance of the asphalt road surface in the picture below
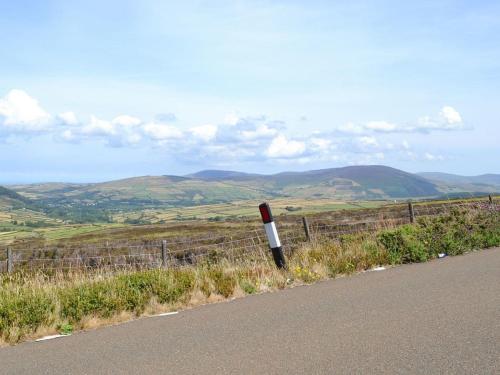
(441, 317)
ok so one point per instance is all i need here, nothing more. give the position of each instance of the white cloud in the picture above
(351, 128)
(450, 115)
(68, 118)
(69, 136)
(133, 138)
(447, 119)
(237, 139)
(161, 132)
(122, 130)
(368, 141)
(320, 144)
(204, 132)
(432, 157)
(281, 147)
(125, 120)
(21, 112)
(98, 127)
(231, 119)
(382, 126)
(262, 131)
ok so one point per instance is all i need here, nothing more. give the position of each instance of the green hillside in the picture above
(356, 182)
(138, 199)
(20, 214)
(213, 187)
(452, 183)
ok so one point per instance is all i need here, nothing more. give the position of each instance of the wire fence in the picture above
(244, 246)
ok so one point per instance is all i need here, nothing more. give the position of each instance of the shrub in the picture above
(224, 283)
(404, 245)
(127, 292)
(248, 287)
(23, 310)
(172, 286)
(94, 298)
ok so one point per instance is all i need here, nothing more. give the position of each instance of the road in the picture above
(441, 317)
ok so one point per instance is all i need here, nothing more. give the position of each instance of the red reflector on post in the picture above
(265, 212)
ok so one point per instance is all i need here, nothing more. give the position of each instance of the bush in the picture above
(248, 287)
(95, 298)
(224, 283)
(404, 245)
(453, 233)
(171, 287)
(23, 310)
(128, 292)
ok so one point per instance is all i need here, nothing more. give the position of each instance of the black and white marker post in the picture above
(272, 235)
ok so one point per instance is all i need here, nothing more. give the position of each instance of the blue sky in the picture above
(98, 90)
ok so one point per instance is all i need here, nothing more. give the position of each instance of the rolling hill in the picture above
(356, 182)
(486, 183)
(10, 198)
(210, 187)
(98, 202)
(487, 179)
(16, 209)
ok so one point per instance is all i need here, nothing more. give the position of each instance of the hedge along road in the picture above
(441, 317)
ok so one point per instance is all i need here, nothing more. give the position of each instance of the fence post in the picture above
(164, 253)
(412, 213)
(10, 263)
(272, 235)
(306, 229)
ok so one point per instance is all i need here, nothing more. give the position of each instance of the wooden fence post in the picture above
(306, 229)
(164, 253)
(10, 263)
(412, 213)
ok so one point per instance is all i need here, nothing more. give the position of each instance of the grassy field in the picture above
(244, 209)
(163, 222)
(36, 304)
(197, 221)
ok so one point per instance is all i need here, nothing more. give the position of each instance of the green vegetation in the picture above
(87, 203)
(27, 211)
(61, 302)
(452, 234)
(132, 224)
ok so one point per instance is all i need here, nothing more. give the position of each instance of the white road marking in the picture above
(45, 338)
(168, 313)
(378, 269)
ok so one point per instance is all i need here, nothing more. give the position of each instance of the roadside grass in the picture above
(34, 304)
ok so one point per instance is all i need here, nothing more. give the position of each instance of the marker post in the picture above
(272, 235)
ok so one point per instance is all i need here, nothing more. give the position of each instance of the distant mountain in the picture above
(218, 186)
(138, 192)
(489, 179)
(216, 175)
(486, 183)
(364, 182)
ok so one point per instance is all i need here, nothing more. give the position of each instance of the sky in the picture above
(101, 90)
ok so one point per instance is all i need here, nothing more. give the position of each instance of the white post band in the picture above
(272, 235)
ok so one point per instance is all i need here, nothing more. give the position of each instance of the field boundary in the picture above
(247, 246)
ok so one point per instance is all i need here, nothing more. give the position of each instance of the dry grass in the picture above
(37, 304)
